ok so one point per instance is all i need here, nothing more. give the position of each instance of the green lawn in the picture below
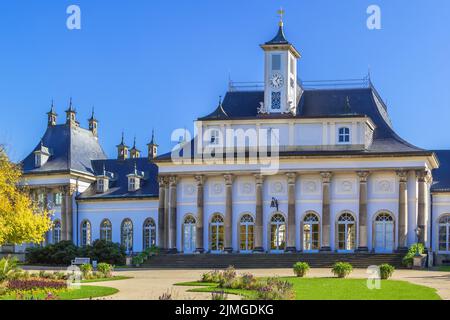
(85, 292)
(106, 279)
(342, 289)
(444, 268)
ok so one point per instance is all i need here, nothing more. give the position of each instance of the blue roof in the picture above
(319, 103)
(118, 185)
(71, 149)
(441, 175)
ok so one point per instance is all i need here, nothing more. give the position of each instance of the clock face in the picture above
(276, 81)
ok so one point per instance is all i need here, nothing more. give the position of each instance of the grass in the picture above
(114, 278)
(444, 268)
(85, 292)
(341, 289)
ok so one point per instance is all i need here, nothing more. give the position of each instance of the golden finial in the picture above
(280, 13)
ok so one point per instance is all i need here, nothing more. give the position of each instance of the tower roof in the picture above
(52, 109)
(71, 108)
(153, 141)
(279, 38)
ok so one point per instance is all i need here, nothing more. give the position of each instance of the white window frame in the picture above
(131, 184)
(344, 135)
(100, 185)
(447, 233)
(214, 137)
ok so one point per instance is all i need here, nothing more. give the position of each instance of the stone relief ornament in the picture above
(384, 186)
(262, 108)
(217, 188)
(310, 187)
(246, 188)
(346, 186)
(189, 190)
(277, 187)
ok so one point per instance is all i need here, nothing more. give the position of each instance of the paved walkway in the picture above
(151, 284)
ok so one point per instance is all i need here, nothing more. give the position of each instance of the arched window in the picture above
(106, 230)
(85, 233)
(444, 233)
(344, 135)
(311, 233)
(346, 232)
(149, 233)
(246, 233)
(384, 232)
(56, 231)
(277, 233)
(217, 233)
(189, 234)
(126, 235)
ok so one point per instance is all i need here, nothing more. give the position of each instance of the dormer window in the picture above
(215, 137)
(101, 185)
(133, 184)
(344, 135)
(38, 160)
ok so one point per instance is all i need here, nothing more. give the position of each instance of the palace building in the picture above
(344, 181)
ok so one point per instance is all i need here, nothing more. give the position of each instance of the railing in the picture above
(304, 84)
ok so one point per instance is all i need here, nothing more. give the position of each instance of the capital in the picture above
(326, 176)
(259, 178)
(200, 179)
(173, 181)
(423, 175)
(403, 175)
(291, 177)
(228, 179)
(363, 175)
(162, 181)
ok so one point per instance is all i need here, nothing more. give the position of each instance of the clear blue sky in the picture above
(161, 64)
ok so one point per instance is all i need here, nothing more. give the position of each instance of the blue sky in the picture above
(161, 64)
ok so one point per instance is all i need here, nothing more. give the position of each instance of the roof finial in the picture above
(70, 104)
(153, 137)
(122, 137)
(220, 100)
(93, 110)
(134, 142)
(104, 169)
(280, 13)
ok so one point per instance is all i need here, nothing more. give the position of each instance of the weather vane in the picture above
(281, 13)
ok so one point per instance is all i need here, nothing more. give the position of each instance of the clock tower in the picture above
(280, 74)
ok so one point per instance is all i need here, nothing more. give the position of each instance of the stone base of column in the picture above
(172, 251)
(362, 250)
(258, 250)
(291, 249)
(325, 249)
(228, 250)
(199, 250)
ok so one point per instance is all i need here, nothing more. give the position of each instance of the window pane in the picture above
(276, 62)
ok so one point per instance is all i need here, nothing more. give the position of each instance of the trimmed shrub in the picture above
(104, 251)
(300, 269)
(86, 270)
(105, 269)
(342, 269)
(408, 258)
(63, 252)
(386, 271)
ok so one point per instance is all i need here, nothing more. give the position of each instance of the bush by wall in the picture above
(62, 253)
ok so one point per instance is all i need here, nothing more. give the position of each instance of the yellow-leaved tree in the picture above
(21, 220)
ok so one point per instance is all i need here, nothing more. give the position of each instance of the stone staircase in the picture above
(267, 261)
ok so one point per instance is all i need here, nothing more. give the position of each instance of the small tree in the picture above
(21, 220)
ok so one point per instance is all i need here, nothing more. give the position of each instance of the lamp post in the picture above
(417, 230)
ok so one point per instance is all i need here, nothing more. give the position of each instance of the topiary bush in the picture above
(105, 269)
(300, 269)
(342, 269)
(86, 270)
(412, 251)
(386, 271)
